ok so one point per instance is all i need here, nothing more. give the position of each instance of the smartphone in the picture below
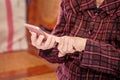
(36, 29)
(39, 31)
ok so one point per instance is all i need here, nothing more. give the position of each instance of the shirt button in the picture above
(96, 14)
(90, 32)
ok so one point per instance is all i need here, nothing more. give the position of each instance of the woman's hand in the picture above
(69, 44)
(39, 43)
(66, 44)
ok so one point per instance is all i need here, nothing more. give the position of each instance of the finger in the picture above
(53, 43)
(65, 45)
(57, 39)
(33, 38)
(39, 41)
(70, 44)
(60, 54)
(47, 42)
(62, 49)
(60, 45)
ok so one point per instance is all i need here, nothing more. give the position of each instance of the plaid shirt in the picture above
(101, 26)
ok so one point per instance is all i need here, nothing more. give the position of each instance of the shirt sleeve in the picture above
(100, 56)
(103, 57)
(51, 55)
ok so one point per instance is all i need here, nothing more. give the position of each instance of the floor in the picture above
(21, 65)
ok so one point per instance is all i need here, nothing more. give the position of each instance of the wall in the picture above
(43, 12)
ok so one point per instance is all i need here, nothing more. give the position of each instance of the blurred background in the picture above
(19, 60)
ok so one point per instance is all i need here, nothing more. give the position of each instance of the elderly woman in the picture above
(88, 40)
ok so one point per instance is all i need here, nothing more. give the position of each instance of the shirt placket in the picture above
(91, 30)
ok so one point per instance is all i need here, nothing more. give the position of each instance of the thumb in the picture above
(60, 54)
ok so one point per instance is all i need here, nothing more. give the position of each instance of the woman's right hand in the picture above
(39, 43)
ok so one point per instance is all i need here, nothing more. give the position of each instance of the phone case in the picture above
(35, 29)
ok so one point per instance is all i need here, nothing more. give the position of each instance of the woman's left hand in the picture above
(69, 44)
